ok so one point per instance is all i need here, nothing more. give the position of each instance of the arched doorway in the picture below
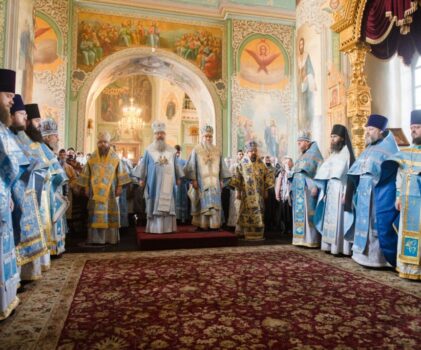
(158, 63)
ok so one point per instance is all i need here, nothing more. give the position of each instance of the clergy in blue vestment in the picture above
(365, 174)
(207, 171)
(331, 179)
(124, 203)
(28, 231)
(399, 192)
(158, 172)
(57, 189)
(181, 199)
(31, 138)
(12, 165)
(304, 193)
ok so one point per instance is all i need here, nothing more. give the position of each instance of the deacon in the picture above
(28, 230)
(182, 201)
(235, 203)
(71, 186)
(365, 174)
(283, 196)
(12, 165)
(401, 183)
(56, 190)
(102, 180)
(303, 196)
(331, 179)
(158, 173)
(207, 171)
(252, 180)
(32, 139)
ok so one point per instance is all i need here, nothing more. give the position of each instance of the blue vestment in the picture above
(389, 221)
(365, 173)
(12, 165)
(27, 223)
(303, 203)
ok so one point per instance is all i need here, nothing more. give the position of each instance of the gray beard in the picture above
(160, 145)
(208, 146)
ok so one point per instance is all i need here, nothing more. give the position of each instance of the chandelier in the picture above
(131, 117)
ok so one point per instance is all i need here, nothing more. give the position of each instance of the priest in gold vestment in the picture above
(102, 180)
(252, 179)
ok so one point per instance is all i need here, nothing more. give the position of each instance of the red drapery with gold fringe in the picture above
(391, 26)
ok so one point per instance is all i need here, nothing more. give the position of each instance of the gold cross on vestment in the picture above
(208, 157)
(162, 160)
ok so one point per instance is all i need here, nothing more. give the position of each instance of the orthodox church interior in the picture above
(255, 72)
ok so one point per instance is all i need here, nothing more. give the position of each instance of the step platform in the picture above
(185, 238)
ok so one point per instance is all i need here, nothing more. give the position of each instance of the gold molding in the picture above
(348, 25)
(358, 96)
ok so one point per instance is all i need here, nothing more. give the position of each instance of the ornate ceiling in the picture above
(212, 8)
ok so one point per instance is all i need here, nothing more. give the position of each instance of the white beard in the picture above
(208, 146)
(160, 145)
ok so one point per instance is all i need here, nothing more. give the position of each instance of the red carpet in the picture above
(185, 237)
(255, 300)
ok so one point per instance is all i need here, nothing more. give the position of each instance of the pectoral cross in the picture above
(162, 160)
(208, 157)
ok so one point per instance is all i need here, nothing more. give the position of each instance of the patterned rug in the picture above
(277, 297)
(238, 301)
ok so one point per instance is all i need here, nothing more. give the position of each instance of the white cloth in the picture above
(103, 235)
(161, 224)
(340, 246)
(45, 262)
(334, 169)
(209, 220)
(234, 209)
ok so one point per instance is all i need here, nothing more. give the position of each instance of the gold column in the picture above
(358, 95)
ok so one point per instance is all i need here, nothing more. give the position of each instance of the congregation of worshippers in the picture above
(365, 207)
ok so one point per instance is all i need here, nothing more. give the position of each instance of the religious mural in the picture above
(308, 76)
(263, 119)
(25, 46)
(46, 56)
(47, 63)
(100, 35)
(263, 80)
(263, 64)
(337, 64)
